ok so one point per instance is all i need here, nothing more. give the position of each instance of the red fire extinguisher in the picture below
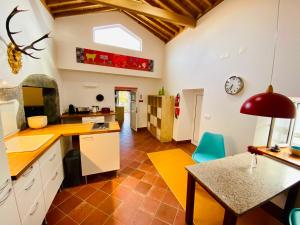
(177, 108)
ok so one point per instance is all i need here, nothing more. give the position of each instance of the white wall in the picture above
(34, 23)
(75, 93)
(76, 31)
(237, 37)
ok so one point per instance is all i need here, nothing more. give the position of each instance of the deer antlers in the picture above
(21, 48)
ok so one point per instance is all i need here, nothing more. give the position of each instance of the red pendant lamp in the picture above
(269, 103)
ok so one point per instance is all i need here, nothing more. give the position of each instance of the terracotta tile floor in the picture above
(135, 195)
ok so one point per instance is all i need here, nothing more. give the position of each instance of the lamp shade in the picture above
(269, 104)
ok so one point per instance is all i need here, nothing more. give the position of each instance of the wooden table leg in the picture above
(290, 203)
(229, 218)
(190, 199)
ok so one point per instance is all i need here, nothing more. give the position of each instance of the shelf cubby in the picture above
(160, 117)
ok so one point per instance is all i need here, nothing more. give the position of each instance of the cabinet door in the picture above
(50, 161)
(99, 153)
(8, 208)
(36, 212)
(51, 188)
(96, 119)
(3, 164)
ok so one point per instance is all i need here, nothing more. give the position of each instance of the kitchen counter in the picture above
(19, 162)
(80, 115)
(285, 155)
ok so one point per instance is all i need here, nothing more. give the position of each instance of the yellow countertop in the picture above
(19, 162)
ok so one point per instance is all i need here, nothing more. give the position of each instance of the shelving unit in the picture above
(160, 117)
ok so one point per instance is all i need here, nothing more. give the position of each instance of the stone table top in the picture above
(231, 181)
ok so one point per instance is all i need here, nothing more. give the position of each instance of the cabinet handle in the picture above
(3, 200)
(53, 178)
(4, 185)
(35, 209)
(27, 172)
(30, 186)
(52, 158)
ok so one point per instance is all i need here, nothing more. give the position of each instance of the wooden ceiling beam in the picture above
(195, 6)
(208, 3)
(147, 10)
(60, 4)
(180, 7)
(80, 8)
(165, 24)
(168, 26)
(163, 37)
(85, 11)
(158, 27)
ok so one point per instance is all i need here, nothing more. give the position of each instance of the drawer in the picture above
(50, 161)
(36, 212)
(95, 119)
(26, 178)
(50, 190)
(8, 209)
(26, 194)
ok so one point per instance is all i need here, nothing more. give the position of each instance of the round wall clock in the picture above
(234, 85)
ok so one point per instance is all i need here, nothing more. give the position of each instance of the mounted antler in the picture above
(21, 48)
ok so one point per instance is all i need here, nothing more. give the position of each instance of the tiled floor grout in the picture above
(135, 161)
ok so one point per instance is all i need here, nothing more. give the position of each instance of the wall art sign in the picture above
(88, 56)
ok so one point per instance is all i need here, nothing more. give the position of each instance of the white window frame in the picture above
(123, 28)
(290, 133)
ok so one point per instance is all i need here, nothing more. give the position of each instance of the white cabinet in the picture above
(50, 161)
(51, 172)
(36, 212)
(27, 188)
(51, 188)
(8, 208)
(95, 119)
(99, 153)
(36, 188)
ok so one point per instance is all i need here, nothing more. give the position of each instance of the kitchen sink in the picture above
(26, 143)
(100, 126)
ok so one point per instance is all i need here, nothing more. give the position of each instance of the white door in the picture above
(197, 117)
(133, 111)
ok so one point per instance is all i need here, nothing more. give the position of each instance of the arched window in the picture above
(118, 36)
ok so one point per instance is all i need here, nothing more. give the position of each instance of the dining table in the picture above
(240, 186)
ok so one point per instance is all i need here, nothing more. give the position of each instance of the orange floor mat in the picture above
(171, 166)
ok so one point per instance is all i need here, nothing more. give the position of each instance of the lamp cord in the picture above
(276, 40)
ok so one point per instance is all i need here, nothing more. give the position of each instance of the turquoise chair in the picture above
(295, 217)
(211, 147)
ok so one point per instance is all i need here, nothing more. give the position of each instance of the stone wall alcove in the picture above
(50, 96)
